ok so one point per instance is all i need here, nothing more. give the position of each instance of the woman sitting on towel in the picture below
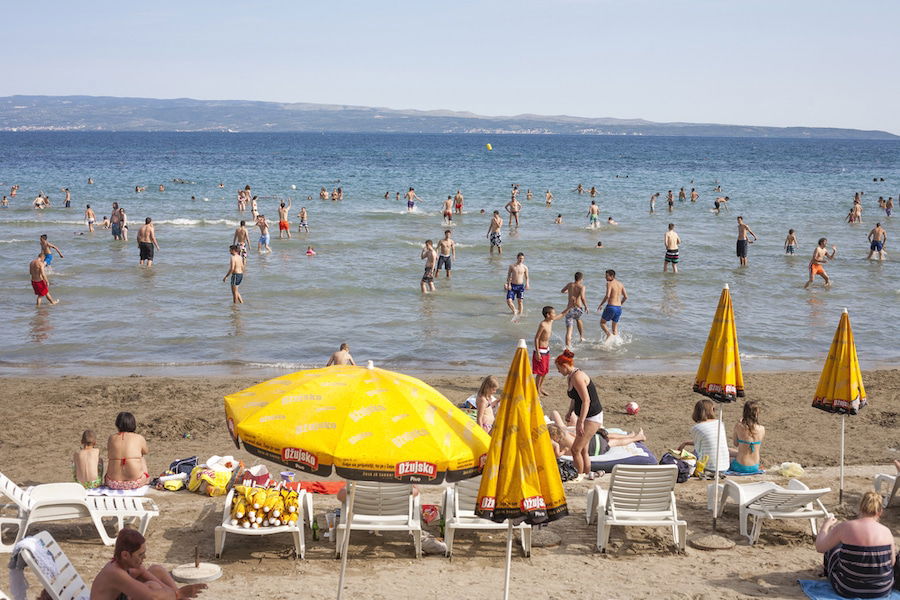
(126, 468)
(706, 430)
(598, 445)
(748, 437)
(859, 554)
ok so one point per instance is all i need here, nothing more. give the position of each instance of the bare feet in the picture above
(640, 435)
(897, 465)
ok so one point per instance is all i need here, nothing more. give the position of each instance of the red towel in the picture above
(318, 487)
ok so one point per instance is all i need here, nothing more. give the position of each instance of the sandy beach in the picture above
(641, 563)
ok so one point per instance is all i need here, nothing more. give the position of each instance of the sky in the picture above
(755, 62)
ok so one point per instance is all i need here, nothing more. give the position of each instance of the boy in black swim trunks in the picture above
(236, 272)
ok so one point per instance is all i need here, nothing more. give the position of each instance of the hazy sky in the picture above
(758, 62)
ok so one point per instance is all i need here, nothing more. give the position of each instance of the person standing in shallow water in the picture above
(236, 272)
(672, 242)
(743, 242)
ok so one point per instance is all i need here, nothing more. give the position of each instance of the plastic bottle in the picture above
(700, 469)
(442, 525)
(315, 529)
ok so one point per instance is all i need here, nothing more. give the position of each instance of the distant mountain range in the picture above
(104, 113)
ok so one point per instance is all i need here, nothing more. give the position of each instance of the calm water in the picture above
(363, 287)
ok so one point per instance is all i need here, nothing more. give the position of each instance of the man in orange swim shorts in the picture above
(283, 225)
(819, 258)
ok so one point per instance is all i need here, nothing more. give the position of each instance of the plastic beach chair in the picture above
(382, 507)
(62, 501)
(638, 496)
(68, 584)
(304, 504)
(888, 481)
(459, 513)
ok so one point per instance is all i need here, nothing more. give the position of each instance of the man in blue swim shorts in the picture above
(516, 284)
(614, 299)
(877, 238)
(263, 225)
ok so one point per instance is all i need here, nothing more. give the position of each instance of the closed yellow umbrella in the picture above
(719, 375)
(840, 388)
(362, 423)
(521, 479)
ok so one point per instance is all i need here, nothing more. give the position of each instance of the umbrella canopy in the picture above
(521, 478)
(840, 388)
(719, 375)
(361, 422)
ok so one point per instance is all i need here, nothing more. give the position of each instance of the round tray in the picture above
(204, 573)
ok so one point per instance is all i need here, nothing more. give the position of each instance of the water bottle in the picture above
(315, 529)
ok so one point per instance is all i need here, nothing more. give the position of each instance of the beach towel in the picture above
(18, 586)
(742, 474)
(822, 590)
(319, 487)
(105, 491)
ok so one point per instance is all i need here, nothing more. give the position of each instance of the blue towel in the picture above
(741, 474)
(822, 590)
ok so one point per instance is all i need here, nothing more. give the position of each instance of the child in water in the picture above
(790, 242)
(87, 462)
(310, 251)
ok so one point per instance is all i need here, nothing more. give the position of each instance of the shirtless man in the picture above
(458, 200)
(446, 251)
(323, 194)
(146, 241)
(877, 238)
(528, 195)
(115, 222)
(580, 189)
(672, 241)
(411, 198)
(516, 284)
(720, 203)
(694, 195)
(5, 202)
(743, 242)
(126, 577)
(264, 237)
(304, 220)
(889, 206)
(39, 282)
(816, 264)
(548, 197)
(241, 239)
(68, 202)
(236, 272)
(513, 207)
(47, 249)
(670, 200)
(430, 257)
(284, 225)
(576, 307)
(493, 233)
(614, 299)
(681, 195)
(254, 209)
(341, 357)
(593, 192)
(594, 214)
(89, 217)
(653, 198)
(448, 210)
(540, 358)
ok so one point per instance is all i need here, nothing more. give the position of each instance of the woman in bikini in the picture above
(585, 405)
(126, 468)
(748, 437)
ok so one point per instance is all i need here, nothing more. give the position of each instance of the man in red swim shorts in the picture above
(540, 358)
(39, 282)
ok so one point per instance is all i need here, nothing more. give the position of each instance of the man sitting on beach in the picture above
(126, 577)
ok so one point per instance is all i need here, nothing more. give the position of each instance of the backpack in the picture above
(684, 467)
(567, 470)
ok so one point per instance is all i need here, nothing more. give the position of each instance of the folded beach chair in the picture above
(382, 507)
(459, 513)
(888, 481)
(767, 500)
(67, 584)
(62, 501)
(304, 504)
(638, 496)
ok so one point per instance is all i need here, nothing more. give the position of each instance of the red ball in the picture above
(632, 408)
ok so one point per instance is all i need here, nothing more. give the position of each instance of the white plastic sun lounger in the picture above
(382, 507)
(459, 513)
(304, 504)
(888, 481)
(68, 584)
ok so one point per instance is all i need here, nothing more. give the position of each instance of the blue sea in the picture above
(363, 286)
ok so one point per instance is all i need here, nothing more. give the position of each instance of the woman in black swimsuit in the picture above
(585, 405)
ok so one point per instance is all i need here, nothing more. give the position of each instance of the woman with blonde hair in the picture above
(748, 437)
(860, 553)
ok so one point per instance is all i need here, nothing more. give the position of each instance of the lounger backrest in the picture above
(382, 499)
(68, 585)
(642, 488)
(15, 493)
(787, 500)
(467, 495)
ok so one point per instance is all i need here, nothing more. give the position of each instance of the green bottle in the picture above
(442, 525)
(315, 529)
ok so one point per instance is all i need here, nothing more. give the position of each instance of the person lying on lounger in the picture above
(563, 438)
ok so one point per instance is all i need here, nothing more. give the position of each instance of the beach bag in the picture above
(567, 470)
(183, 465)
(684, 467)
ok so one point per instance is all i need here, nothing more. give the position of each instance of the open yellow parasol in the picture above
(719, 375)
(840, 388)
(521, 479)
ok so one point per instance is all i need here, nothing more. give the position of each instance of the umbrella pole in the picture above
(841, 492)
(509, 540)
(716, 484)
(345, 542)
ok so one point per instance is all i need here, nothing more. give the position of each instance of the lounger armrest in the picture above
(796, 484)
(448, 501)
(58, 492)
(416, 501)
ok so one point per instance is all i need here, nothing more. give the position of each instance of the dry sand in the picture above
(640, 564)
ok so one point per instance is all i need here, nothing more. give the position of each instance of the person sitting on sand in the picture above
(126, 577)
(860, 553)
(748, 437)
(484, 402)
(562, 438)
(87, 463)
(127, 467)
(705, 433)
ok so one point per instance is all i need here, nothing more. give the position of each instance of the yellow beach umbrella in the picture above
(362, 423)
(840, 388)
(719, 375)
(521, 479)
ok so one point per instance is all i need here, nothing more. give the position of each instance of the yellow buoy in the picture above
(488, 146)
